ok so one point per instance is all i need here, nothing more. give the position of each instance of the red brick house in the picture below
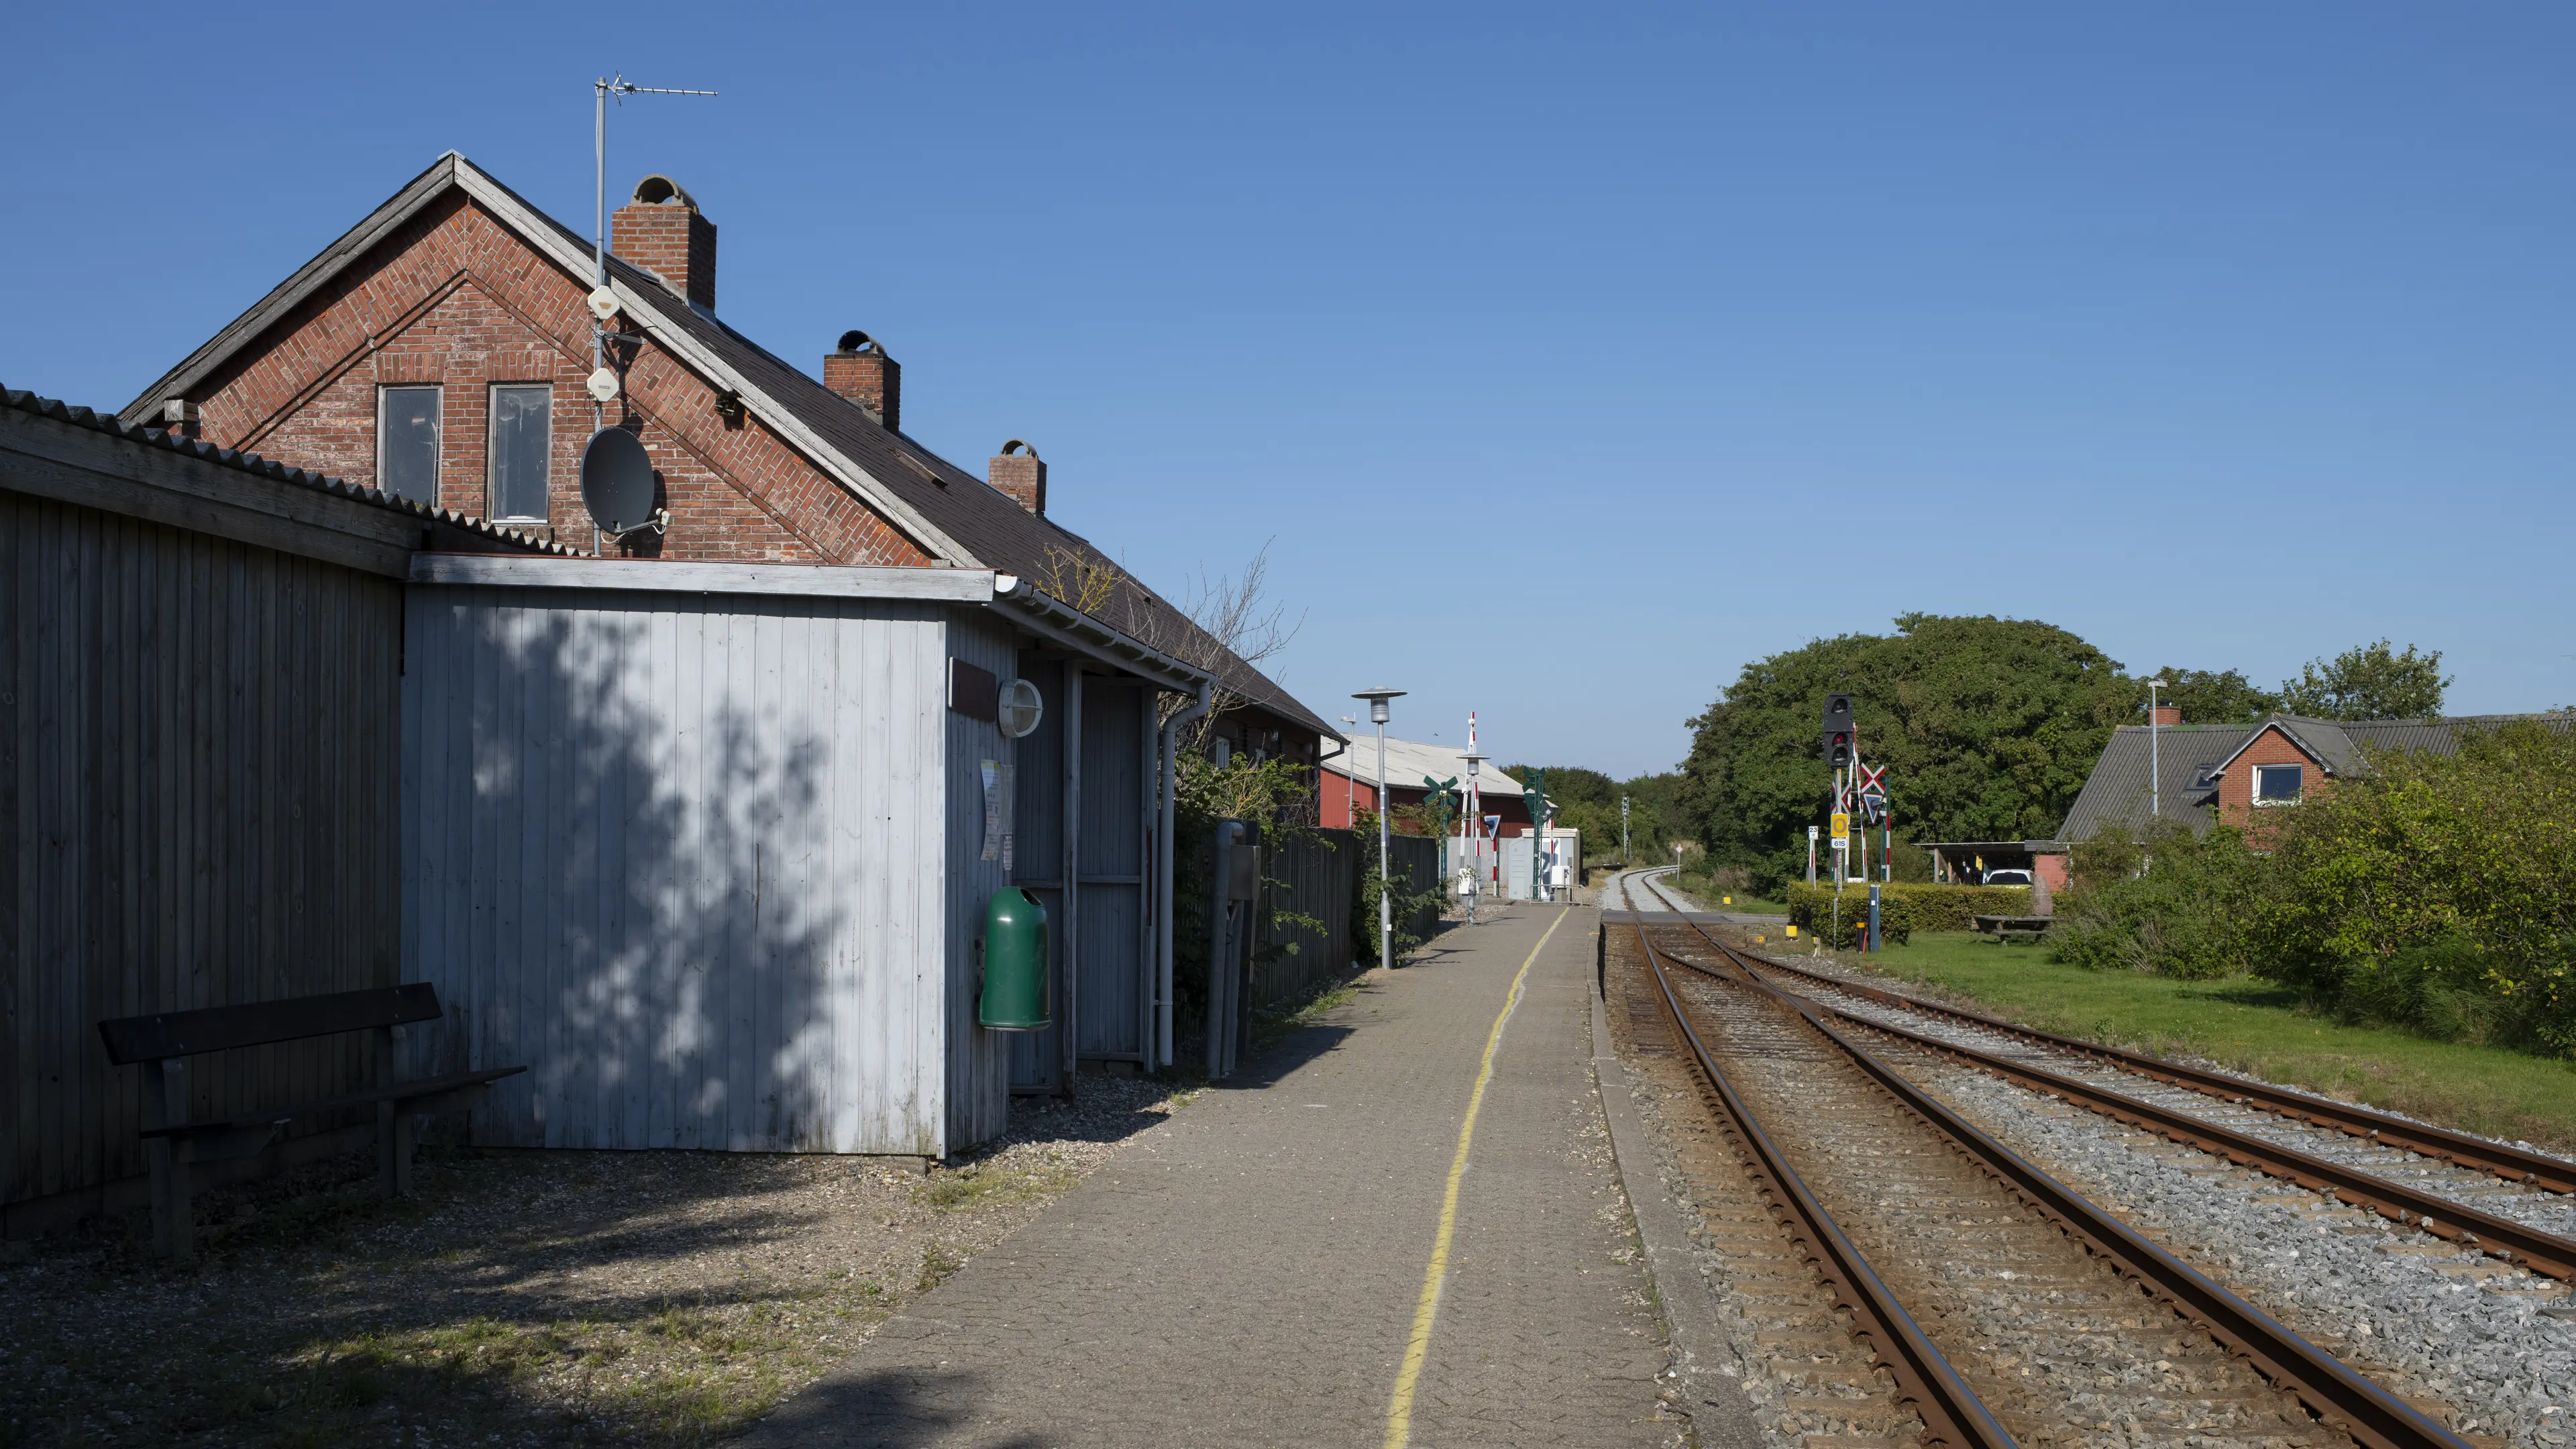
(439, 350)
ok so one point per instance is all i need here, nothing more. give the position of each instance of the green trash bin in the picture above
(1015, 996)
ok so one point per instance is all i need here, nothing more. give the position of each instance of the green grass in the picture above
(2250, 1026)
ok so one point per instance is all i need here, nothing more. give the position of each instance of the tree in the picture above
(1988, 728)
(2370, 681)
(2207, 696)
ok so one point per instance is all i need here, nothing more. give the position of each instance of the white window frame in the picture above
(491, 472)
(2254, 782)
(438, 448)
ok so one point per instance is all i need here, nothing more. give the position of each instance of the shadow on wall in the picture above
(637, 839)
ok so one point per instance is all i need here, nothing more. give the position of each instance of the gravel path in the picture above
(523, 1298)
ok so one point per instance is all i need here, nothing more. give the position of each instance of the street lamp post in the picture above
(1377, 699)
(2155, 754)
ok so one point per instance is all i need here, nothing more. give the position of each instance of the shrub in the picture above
(2173, 904)
(2436, 892)
(1813, 911)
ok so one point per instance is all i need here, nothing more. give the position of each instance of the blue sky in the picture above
(1566, 358)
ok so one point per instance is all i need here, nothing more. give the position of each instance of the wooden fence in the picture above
(1320, 877)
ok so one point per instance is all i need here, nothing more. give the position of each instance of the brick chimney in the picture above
(662, 232)
(861, 372)
(1020, 474)
(2167, 715)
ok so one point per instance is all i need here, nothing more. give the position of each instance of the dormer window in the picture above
(2278, 784)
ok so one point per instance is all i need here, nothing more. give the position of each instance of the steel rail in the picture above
(1952, 1413)
(2521, 1244)
(2460, 1149)
(2340, 1397)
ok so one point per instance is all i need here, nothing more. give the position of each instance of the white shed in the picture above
(707, 847)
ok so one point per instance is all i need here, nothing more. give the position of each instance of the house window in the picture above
(521, 445)
(407, 442)
(2276, 784)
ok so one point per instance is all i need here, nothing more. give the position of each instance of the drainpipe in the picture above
(1164, 856)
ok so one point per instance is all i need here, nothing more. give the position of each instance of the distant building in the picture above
(1350, 784)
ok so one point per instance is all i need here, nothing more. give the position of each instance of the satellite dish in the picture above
(617, 481)
(603, 384)
(1019, 707)
(603, 303)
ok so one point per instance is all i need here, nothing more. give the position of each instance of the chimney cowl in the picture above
(1018, 472)
(660, 190)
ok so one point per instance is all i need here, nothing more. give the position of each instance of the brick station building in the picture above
(440, 350)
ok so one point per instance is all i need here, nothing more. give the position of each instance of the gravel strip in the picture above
(522, 1298)
(2464, 1336)
(2548, 1211)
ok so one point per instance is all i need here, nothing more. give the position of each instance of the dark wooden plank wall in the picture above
(199, 758)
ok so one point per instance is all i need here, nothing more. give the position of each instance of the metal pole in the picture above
(1385, 886)
(2155, 755)
(1623, 832)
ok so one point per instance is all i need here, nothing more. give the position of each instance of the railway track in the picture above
(2001, 1306)
(2353, 1177)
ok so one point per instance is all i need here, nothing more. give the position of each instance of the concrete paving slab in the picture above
(1249, 1272)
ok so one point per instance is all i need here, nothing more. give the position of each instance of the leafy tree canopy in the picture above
(2208, 696)
(2371, 681)
(1988, 728)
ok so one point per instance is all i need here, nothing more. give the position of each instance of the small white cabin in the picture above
(708, 847)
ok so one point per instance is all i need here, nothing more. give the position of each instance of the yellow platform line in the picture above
(1399, 1413)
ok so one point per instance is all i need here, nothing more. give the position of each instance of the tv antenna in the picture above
(605, 382)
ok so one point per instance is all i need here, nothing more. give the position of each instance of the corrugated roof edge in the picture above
(81, 417)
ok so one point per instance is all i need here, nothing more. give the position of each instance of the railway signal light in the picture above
(1838, 749)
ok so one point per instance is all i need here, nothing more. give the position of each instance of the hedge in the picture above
(1903, 909)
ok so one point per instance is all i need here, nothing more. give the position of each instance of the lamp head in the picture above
(1377, 699)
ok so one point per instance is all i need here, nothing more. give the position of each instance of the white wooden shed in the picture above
(708, 846)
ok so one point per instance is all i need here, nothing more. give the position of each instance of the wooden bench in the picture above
(2008, 929)
(163, 1043)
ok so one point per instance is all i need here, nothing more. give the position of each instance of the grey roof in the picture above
(111, 423)
(2194, 757)
(954, 514)
(2337, 744)
(2117, 789)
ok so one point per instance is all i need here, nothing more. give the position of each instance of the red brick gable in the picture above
(454, 297)
(2236, 784)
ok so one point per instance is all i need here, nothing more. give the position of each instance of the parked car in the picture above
(2007, 877)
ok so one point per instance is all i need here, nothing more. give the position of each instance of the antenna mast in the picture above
(601, 90)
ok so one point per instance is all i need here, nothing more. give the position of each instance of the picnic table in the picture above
(2008, 929)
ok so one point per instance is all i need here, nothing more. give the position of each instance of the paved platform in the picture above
(1249, 1273)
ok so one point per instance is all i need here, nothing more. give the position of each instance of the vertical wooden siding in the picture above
(1111, 869)
(198, 748)
(682, 858)
(979, 1087)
